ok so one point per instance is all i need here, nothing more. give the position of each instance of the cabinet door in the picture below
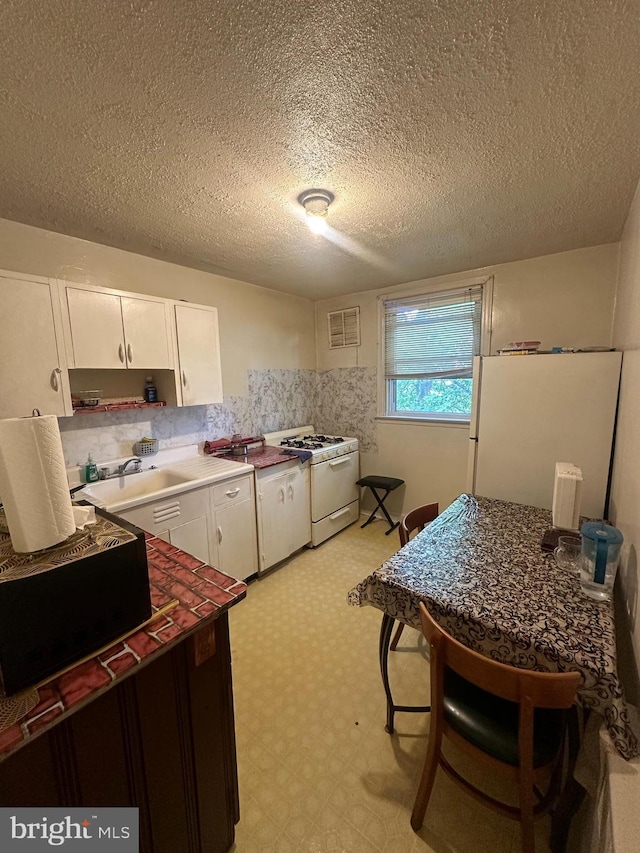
(159, 516)
(96, 328)
(298, 509)
(32, 372)
(145, 333)
(274, 533)
(192, 537)
(236, 536)
(199, 354)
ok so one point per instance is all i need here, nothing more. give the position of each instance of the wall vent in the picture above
(344, 328)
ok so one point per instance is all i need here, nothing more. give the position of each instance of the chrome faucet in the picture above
(122, 469)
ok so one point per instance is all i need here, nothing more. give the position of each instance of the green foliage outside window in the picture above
(433, 396)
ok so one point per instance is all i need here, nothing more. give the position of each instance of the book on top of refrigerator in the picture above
(520, 348)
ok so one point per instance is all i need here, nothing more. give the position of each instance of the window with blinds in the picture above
(429, 345)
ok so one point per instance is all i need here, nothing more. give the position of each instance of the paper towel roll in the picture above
(33, 483)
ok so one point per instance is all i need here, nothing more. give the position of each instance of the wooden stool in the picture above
(388, 484)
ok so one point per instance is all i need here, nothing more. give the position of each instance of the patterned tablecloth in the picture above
(481, 572)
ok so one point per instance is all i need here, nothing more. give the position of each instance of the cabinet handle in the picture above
(282, 494)
(184, 379)
(55, 382)
(121, 353)
(232, 493)
(290, 491)
(129, 353)
(219, 535)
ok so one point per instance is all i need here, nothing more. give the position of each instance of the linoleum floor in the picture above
(317, 770)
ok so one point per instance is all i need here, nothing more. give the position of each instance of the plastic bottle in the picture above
(90, 471)
(150, 391)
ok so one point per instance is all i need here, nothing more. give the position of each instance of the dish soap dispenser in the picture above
(90, 471)
(150, 391)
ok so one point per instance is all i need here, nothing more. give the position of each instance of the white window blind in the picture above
(434, 336)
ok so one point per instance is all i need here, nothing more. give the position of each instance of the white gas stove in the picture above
(322, 447)
(335, 467)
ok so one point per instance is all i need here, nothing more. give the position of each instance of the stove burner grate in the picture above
(324, 439)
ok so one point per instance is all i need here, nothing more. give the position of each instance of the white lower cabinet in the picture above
(283, 509)
(182, 520)
(233, 512)
(192, 537)
(216, 524)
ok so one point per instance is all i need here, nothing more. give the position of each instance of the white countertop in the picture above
(120, 493)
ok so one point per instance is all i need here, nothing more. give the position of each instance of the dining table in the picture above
(481, 570)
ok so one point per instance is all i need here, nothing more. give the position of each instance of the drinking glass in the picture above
(567, 554)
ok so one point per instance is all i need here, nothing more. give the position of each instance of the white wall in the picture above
(259, 328)
(625, 492)
(562, 300)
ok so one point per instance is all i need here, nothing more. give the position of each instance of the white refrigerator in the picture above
(532, 411)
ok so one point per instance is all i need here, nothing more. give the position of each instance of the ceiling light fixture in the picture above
(316, 204)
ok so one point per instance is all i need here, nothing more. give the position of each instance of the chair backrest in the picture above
(417, 519)
(539, 689)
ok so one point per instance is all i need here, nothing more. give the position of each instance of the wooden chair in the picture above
(417, 519)
(513, 720)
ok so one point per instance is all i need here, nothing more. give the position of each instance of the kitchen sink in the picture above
(118, 491)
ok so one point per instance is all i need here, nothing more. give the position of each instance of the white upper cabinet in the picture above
(107, 329)
(33, 371)
(145, 333)
(198, 349)
(95, 319)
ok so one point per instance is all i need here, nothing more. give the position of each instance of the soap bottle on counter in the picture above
(90, 471)
(150, 391)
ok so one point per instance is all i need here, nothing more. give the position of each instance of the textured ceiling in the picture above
(454, 134)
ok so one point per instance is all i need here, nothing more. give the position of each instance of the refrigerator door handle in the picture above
(476, 375)
(471, 466)
(473, 425)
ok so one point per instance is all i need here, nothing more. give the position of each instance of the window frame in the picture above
(384, 392)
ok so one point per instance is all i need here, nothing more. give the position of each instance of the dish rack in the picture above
(146, 447)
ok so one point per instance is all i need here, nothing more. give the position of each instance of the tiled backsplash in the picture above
(342, 401)
(346, 403)
(279, 399)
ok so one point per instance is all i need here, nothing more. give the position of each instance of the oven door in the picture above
(333, 484)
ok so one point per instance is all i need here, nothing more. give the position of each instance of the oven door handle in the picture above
(338, 461)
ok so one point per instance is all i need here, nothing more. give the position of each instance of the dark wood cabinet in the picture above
(162, 739)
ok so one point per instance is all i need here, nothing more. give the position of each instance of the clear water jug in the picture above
(601, 545)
